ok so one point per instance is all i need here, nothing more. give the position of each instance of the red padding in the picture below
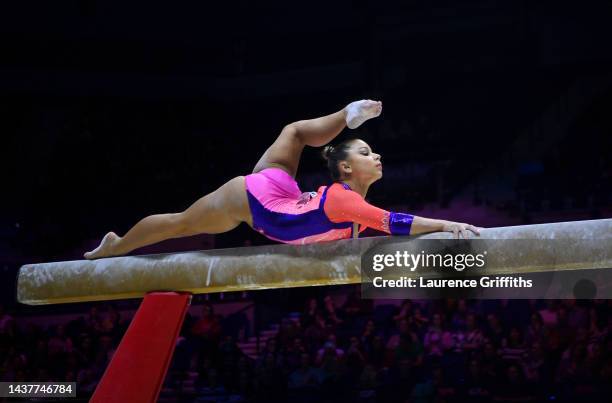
(138, 367)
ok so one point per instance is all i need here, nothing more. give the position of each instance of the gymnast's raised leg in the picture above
(225, 208)
(286, 151)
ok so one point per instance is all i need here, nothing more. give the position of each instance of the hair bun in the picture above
(327, 150)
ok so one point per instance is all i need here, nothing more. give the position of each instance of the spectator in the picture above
(549, 313)
(405, 311)
(476, 386)
(333, 315)
(309, 315)
(206, 331)
(536, 331)
(305, 376)
(513, 387)
(7, 323)
(437, 339)
(316, 333)
(474, 337)
(328, 350)
(513, 348)
(495, 330)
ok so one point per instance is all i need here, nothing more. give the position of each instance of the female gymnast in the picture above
(270, 201)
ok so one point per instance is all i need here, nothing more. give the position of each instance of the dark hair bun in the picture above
(327, 150)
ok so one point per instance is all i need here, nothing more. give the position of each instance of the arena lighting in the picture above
(167, 282)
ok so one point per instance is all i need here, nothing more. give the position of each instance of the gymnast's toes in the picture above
(105, 248)
(359, 111)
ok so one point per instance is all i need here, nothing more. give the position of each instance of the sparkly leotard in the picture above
(283, 213)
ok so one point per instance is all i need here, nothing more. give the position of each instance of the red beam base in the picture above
(138, 367)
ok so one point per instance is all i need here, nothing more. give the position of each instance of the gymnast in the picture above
(270, 201)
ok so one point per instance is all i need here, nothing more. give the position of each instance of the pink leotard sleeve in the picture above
(343, 205)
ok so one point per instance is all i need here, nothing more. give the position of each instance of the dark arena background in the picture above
(496, 113)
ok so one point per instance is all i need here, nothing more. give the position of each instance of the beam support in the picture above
(139, 366)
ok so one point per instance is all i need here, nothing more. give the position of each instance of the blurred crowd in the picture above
(77, 351)
(420, 351)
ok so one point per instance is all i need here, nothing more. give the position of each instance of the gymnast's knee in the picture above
(292, 132)
(180, 223)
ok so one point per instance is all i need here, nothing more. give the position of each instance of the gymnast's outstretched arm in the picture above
(346, 205)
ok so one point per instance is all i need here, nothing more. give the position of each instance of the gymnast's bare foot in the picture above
(359, 111)
(106, 247)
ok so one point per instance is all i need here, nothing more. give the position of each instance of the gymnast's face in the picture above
(362, 164)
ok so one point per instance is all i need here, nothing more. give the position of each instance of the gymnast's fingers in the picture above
(456, 231)
(474, 229)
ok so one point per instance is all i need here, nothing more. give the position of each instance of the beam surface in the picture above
(580, 245)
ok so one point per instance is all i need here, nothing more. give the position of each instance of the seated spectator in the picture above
(476, 386)
(293, 354)
(578, 315)
(329, 349)
(404, 345)
(405, 311)
(419, 321)
(305, 376)
(377, 353)
(474, 337)
(459, 318)
(86, 381)
(333, 315)
(206, 330)
(436, 389)
(271, 349)
(573, 364)
(355, 358)
(208, 326)
(403, 330)
(535, 365)
(513, 387)
(59, 343)
(309, 315)
(437, 339)
(490, 361)
(513, 347)
(495, 330)
(535, 330)
(7, 323)
(355, 307)
(369, 332)
(316, 333)
(93, 320)
(269, 382)
(212, 390)
(549, 313)
(287, 331)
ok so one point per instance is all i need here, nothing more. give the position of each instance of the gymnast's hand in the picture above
(458, 228)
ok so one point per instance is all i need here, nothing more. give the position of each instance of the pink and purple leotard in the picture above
(283, 213)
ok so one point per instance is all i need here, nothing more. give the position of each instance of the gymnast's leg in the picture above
(227, 207)
(220, 211)
(285, 152)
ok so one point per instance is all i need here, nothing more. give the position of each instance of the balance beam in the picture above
(140, 363)
(583, 245)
